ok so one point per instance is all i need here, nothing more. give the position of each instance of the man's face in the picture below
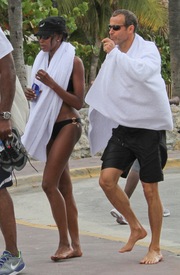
(122, 35)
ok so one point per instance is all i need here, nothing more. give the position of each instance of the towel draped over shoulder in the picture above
(44, 111)
(129, 91)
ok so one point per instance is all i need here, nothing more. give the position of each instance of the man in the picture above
(11, 261)
(129, 96)
(133, 179)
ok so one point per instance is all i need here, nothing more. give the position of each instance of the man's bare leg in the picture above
(7, 222)
(109, 183)
(155, 211)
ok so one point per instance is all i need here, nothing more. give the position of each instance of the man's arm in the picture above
(7, 91)
(7, 82)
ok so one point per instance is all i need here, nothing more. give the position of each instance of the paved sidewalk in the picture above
(100, 255)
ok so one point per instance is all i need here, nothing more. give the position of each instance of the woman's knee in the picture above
(47, 188)
(65, 184)
(44, 186)
(66, 190)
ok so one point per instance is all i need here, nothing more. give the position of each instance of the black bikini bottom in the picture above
(59, 125)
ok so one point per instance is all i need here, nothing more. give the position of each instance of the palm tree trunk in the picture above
(94, 61)
(174, 38)
(16, 36)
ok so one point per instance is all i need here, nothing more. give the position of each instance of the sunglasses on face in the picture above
(44, 37)
(115, 27)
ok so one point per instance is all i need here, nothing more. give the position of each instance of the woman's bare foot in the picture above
(152, 257)
(135, 236)
(62, 254)
(75, 253)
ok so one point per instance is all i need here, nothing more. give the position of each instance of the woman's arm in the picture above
(74, 99)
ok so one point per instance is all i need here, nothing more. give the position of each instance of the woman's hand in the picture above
(44, 78)
(30, 94)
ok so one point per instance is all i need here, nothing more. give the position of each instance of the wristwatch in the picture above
(5, 115)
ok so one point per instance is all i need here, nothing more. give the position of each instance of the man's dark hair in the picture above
(130, 17)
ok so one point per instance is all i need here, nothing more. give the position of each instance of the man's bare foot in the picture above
(152, 257)
(134, 237)
(66, 254)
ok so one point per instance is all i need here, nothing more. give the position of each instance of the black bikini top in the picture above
(70, 87)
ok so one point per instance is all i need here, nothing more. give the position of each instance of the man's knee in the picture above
(107, 181)
(104, 183)
(150, 190)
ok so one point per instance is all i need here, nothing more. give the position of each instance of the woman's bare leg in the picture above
(66, 189)
(58, 154)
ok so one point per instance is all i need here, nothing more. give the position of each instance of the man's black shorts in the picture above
(5, 179)
(128, 144)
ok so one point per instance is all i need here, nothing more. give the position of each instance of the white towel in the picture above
(44, 111)
(20, 109)
(128, 91)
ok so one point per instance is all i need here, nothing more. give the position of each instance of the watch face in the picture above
(6, 115)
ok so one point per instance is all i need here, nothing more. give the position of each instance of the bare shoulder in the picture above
(78, 61)
(78, 65)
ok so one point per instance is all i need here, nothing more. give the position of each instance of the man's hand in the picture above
(108, 45)
(5, 128)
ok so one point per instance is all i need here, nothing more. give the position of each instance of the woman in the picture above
(54, 126)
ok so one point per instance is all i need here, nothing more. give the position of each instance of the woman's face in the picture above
(50, 43)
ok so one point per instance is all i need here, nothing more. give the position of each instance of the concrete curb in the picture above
(172, 163)
(83, 172)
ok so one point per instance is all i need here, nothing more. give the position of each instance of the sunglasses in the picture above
(115, 27)
(44, 37)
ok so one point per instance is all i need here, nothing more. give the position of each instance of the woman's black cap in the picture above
(51, 25)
